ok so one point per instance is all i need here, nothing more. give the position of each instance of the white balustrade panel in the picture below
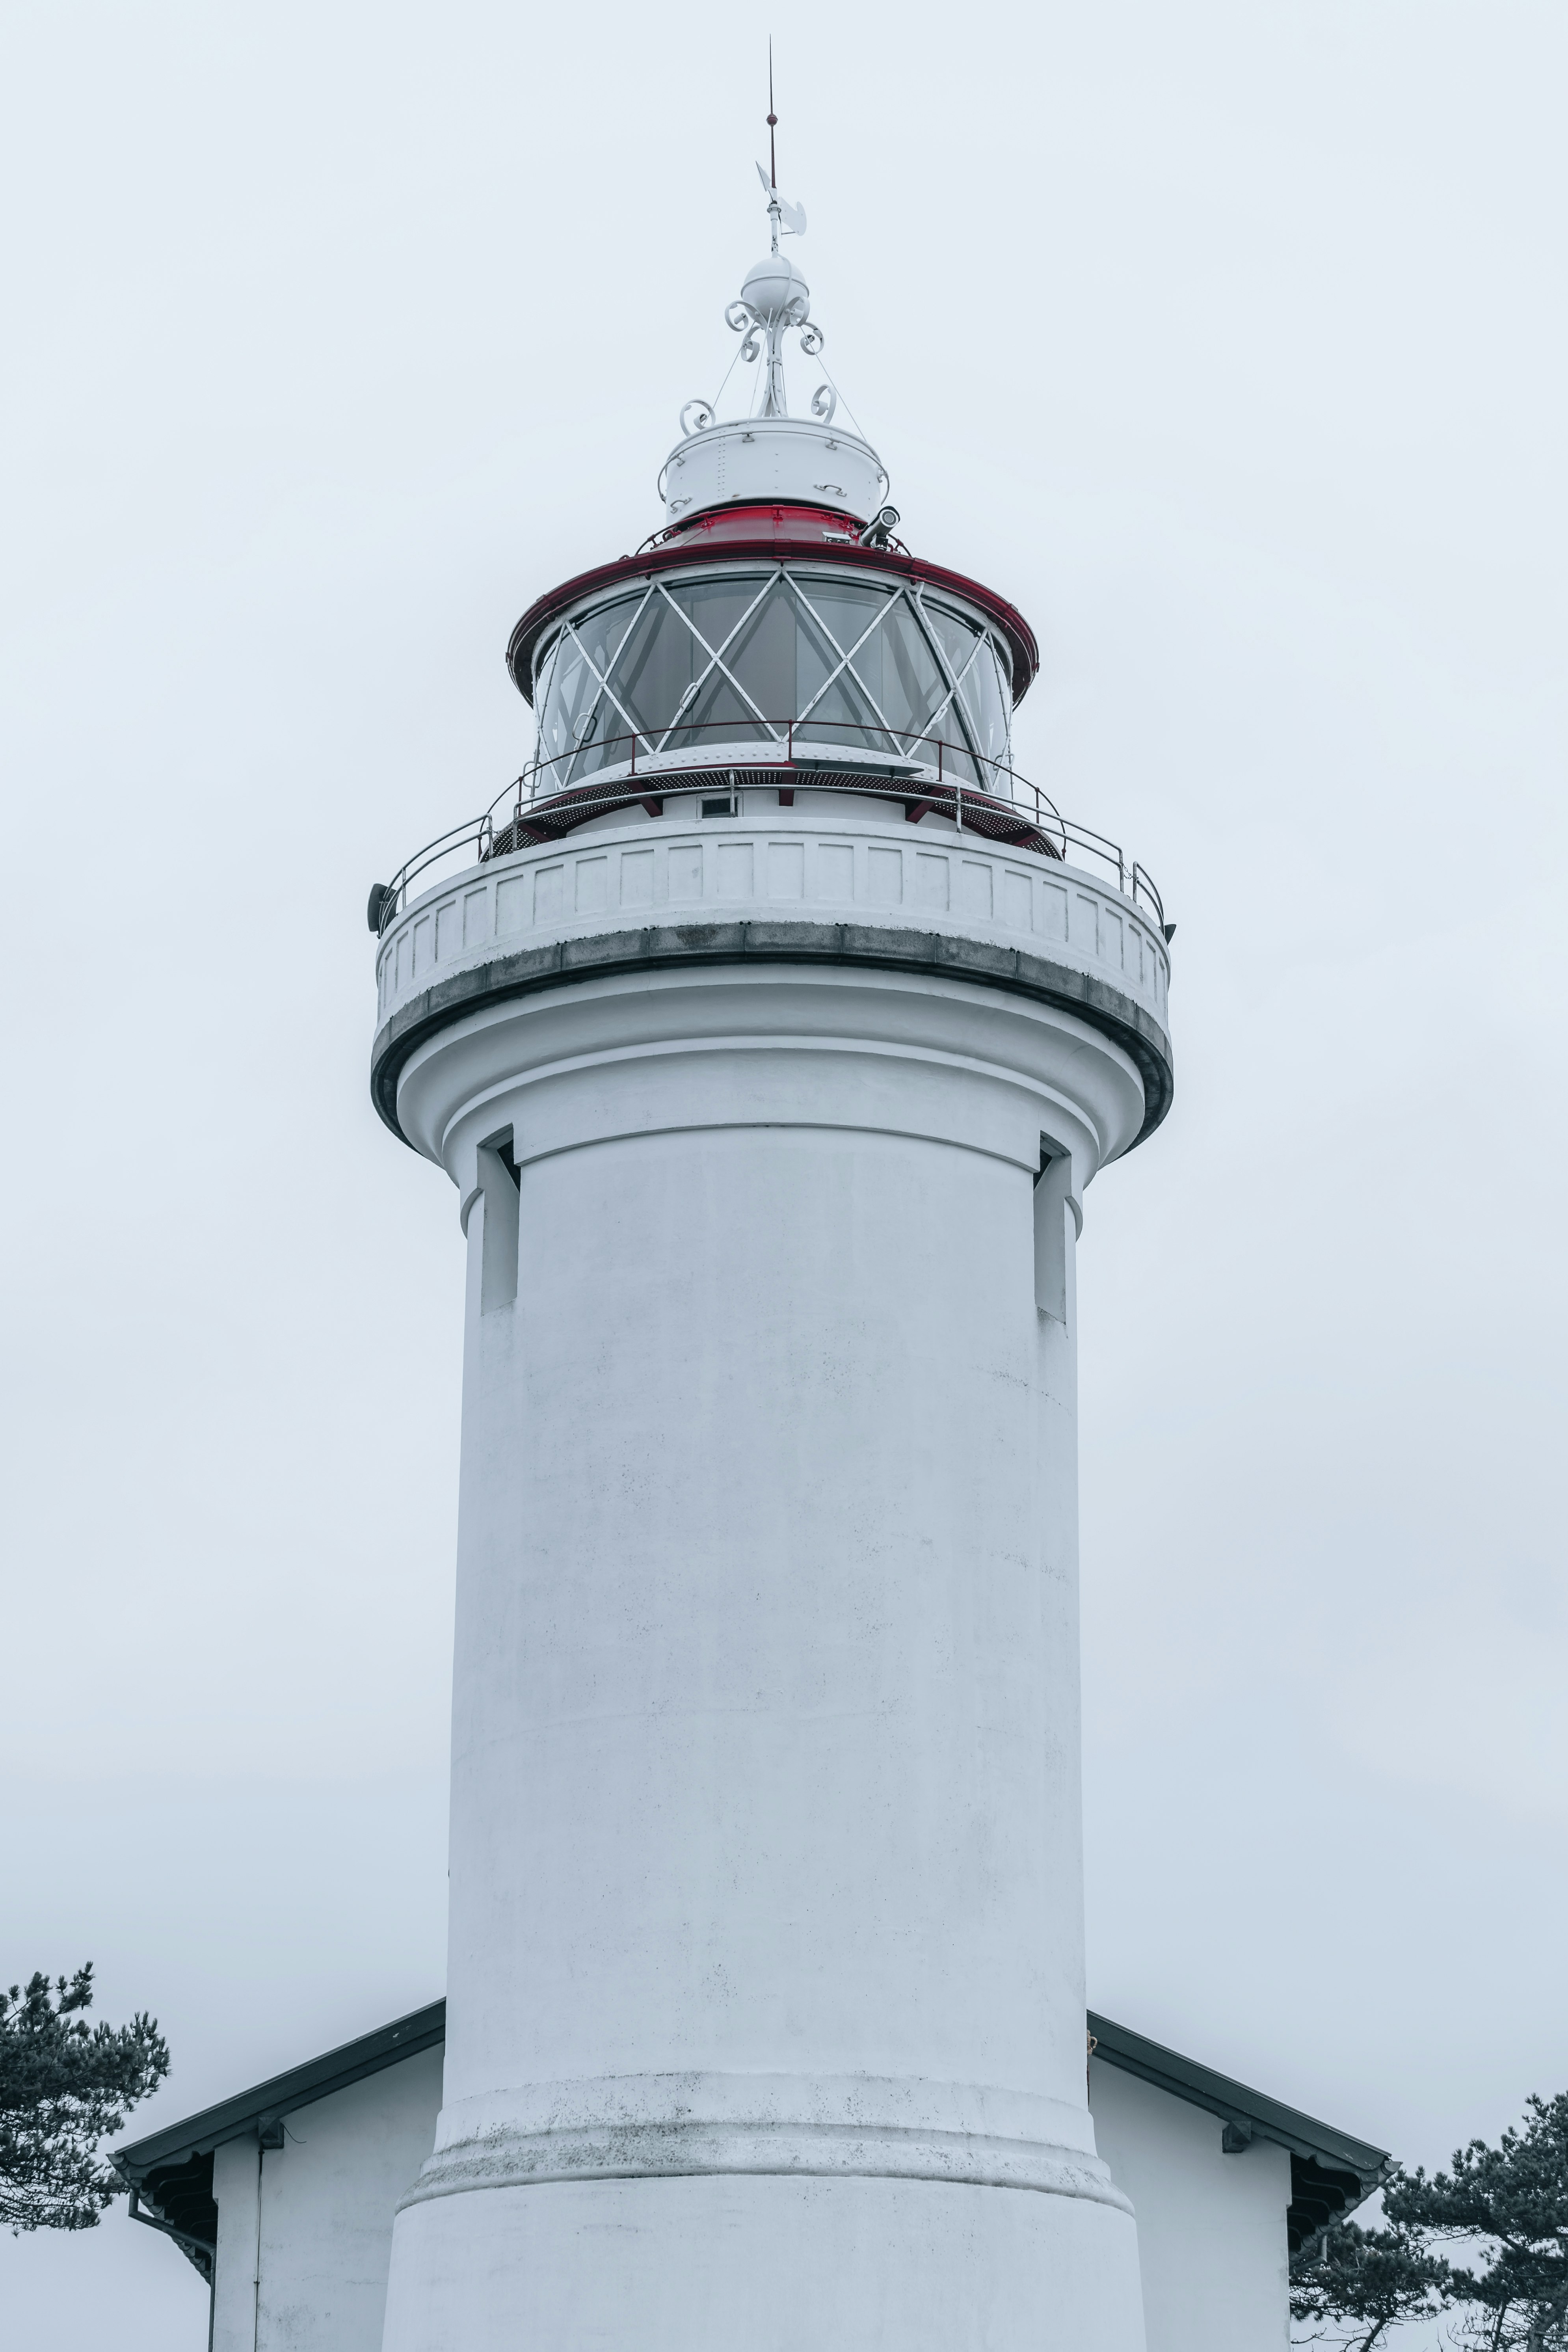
(730, 869)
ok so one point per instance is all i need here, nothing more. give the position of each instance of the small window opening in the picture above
(501, 1183)
(716, 806)
(1053, 1211)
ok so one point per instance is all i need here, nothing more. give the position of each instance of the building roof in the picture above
(1331, 2172)
(168, 2173)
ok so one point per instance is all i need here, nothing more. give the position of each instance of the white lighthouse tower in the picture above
(772, 1033)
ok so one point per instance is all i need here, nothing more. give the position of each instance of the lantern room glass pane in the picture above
(714, 608)
(733, 702)
(902, 674)
(955, 636)
(718, 714)
(765, 657)
(701, 664)
(844, 719)
(575, 716)
(845, 609)
(674, 664)
(657, 666)
(601, 632)
(573, 690)
(984, 706)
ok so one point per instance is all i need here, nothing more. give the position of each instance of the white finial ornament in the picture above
(775, 296)
(770, 455)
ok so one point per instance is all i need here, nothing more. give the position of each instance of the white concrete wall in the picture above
(233, 2272)
(1211, 2227)
(765, 2014)
(328, 2200)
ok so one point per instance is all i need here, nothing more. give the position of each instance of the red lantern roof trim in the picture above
(772, 534)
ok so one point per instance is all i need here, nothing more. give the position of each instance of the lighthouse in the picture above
(771, 1030)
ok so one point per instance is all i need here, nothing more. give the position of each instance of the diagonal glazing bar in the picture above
(603, 675)
(908, 735)
(967, 718)
(950, 700)
(1004, 680)
(846, 659)
(626, 637)
(581, 729)
(716, 660)
(933, 639)
(716, 657)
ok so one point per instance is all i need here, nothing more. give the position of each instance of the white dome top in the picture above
(773, 287)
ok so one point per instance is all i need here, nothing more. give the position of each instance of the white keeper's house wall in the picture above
(1212, 2246)
(334, 2146)
(328, 2196)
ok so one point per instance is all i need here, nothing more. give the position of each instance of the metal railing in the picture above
(540, 807)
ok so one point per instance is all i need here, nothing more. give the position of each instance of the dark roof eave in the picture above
(1265, 2118)
(300, 2087)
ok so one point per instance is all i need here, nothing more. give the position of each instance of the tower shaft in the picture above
(766, 2004)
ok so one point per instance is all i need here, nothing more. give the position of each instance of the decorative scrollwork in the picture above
(740, 317)
(824, 401)
(812, 339)
(700, 412)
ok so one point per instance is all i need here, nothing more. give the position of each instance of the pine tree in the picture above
(1365, 2282)
(1513, 2198)
(63, 2086)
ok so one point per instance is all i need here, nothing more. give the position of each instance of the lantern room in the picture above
(775, 631)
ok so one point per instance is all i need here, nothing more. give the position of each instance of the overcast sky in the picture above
(1228, 341)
